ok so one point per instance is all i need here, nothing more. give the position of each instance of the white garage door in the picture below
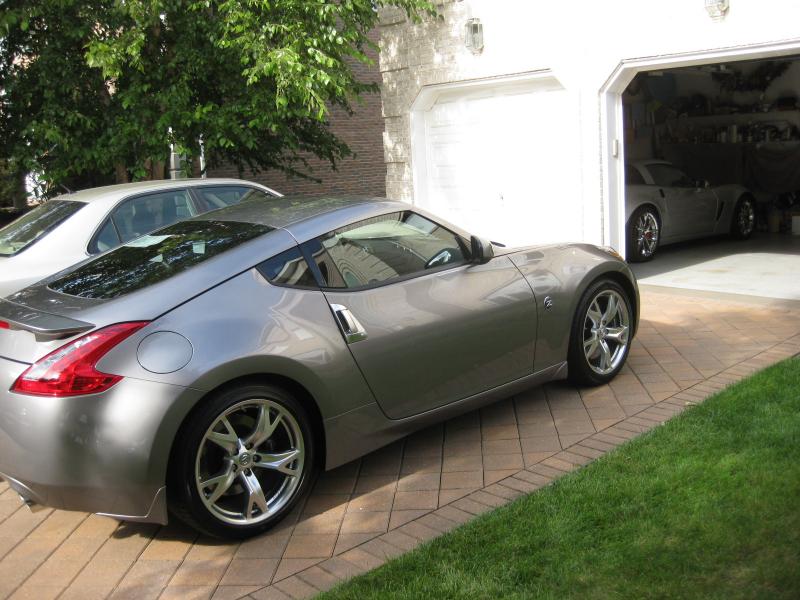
(502, 162)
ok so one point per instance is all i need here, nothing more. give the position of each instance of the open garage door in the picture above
(500, 160)
(712, 177)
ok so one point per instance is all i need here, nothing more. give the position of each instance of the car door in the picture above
(425, 325)
(691, 209)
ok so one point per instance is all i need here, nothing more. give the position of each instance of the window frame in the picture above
(312, 263)
(315, 288)
(109, 215)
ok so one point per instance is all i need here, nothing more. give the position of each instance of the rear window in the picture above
(154, 258)
(34, 225)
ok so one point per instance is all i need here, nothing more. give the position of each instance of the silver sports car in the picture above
(210, 369)
(663, 206)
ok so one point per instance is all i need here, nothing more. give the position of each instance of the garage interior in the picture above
(726, 123)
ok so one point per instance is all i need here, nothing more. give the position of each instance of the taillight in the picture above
(4, 325)
(70, 370)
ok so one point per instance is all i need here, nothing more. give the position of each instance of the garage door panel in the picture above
(502, 164)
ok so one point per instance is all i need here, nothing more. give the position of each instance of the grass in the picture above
(706, 506)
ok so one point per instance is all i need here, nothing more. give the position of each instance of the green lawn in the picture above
(707, 506)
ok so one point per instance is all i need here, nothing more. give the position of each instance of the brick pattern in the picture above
(363, 174)
(364, 513)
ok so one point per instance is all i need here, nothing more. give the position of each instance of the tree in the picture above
(94, 91)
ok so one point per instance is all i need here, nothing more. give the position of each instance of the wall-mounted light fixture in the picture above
(717, 9)
(473, 35)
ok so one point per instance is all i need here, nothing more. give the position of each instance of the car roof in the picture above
(290, 210)
(113, 193)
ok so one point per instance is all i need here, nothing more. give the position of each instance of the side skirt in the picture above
(360, 431)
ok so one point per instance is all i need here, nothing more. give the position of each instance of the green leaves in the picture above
(90, 86)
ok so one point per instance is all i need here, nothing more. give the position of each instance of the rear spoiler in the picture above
(44, 325)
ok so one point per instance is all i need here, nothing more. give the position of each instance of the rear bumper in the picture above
(104, 453)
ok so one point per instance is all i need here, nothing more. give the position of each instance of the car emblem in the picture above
(548, 302)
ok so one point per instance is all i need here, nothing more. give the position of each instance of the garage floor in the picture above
(689, 345)
(766, 265)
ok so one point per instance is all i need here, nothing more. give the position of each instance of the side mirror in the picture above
(482, 251)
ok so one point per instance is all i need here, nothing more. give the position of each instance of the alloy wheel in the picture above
(250, 462)
(746, 218)
(606, 332)
(646, 234)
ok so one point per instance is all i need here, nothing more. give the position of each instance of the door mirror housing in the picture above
(482, 250)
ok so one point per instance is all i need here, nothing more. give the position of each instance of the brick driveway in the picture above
(358, 515)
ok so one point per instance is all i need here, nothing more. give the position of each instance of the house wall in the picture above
(581, 43)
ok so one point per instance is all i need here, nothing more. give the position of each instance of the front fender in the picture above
(563, 273)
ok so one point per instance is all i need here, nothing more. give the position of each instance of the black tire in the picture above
(743, 221)
(185, 501)
(580, 369)
(640, 245)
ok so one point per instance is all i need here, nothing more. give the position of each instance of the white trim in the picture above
(611, 124)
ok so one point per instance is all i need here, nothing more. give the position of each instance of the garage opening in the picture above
(712, 177)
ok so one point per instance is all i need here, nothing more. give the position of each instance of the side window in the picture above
(288, 268)
(669, 176)
(388, 247)
(143, 214)
(219, 196)
(105, 239)
(632, 176)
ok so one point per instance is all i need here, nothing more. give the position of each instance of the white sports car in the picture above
(663, 206)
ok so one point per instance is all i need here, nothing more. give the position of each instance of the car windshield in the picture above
(154, 258)
(34, 225)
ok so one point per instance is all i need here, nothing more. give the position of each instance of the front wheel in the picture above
(644, 234)
(744, 218)
(242, 462)
(601, 334)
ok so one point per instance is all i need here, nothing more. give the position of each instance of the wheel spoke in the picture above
(611, 309)
(618, 334)
(221, 482)
(590, 347)
(255, 494)
(280, 462)
(264, 428)
(594, 313)
(228, 441)
(605, 356)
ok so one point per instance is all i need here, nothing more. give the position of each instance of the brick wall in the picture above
(364, 174)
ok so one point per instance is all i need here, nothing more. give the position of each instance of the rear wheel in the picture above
(644, 234)
(601, 334)
(744, 218)
(242, 462)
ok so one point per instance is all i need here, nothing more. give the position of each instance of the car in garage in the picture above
(72, 227)
(663, 206)
(210, 368)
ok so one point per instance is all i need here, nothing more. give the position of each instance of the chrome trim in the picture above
(352, 329)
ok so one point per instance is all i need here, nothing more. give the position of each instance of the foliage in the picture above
(92, 88)
(705, 506)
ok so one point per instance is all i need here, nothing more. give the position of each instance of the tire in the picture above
(599, 363)
(244, 440)
(743, 222)
(643, 234)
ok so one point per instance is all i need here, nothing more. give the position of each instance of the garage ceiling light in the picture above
(717, 9)
(473, 35)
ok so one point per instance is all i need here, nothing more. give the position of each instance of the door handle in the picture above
(352, 330)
